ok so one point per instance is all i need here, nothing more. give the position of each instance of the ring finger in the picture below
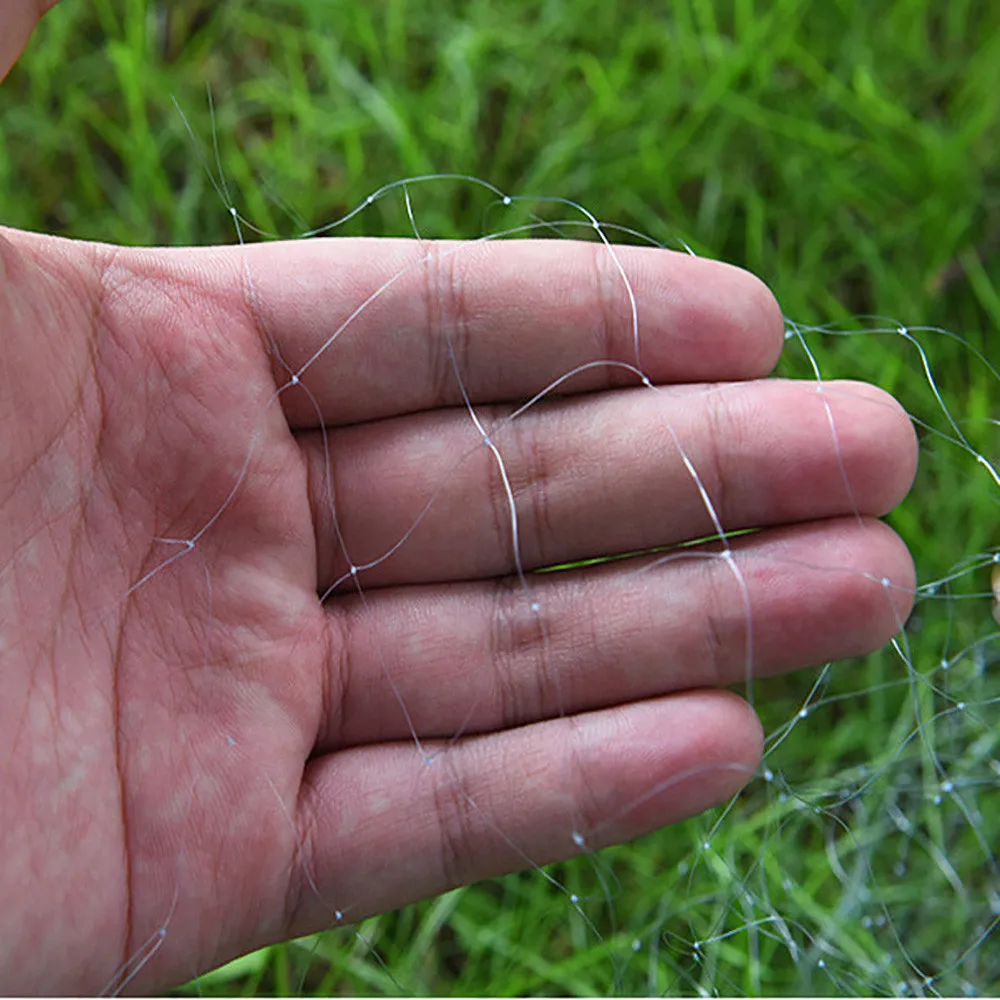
(489, 655)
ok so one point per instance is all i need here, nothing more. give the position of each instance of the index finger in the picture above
(377, 328)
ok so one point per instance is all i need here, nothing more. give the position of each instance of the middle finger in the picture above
(423, 499)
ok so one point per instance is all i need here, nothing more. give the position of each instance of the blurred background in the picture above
(849, 153)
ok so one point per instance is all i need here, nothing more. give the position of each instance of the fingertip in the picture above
(764, 323)
(733, 736)
(701, 747)
(724, 322)
(892, 449)
(900, 583)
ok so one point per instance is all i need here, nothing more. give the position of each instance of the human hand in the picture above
(201, 755)
(194, 742)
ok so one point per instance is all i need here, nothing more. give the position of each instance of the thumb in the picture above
(17, 21)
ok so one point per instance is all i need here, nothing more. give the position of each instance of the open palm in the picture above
(204, 750)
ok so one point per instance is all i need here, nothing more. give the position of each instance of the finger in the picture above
(478, 657)
(17, 21)
(377, 327)
(516, 800)
(422, 499)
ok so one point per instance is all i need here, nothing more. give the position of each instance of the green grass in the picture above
(847, 153)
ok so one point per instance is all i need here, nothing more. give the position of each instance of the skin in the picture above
(198, 755)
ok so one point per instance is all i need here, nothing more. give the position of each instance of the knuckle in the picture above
(521, 492)
(457, 830)
(519, 657)
(338, 683)
(719, 432)
(447, 332)
(589, 805)
(723, 639)
(614, 335)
